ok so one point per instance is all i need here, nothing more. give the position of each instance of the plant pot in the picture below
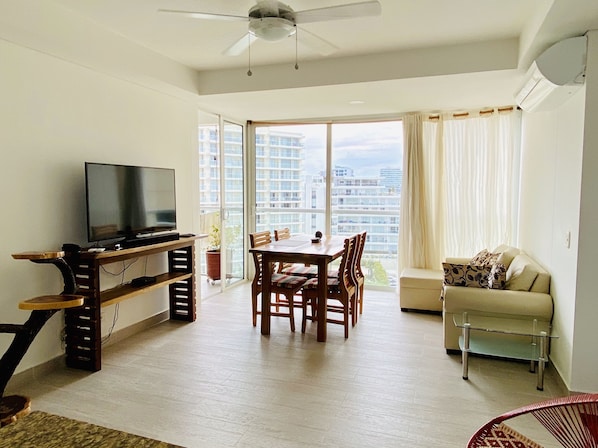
(213, 264)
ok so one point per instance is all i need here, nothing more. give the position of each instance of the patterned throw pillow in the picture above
(498, 276)
(466, 275)
(485, 258)
(478, 259)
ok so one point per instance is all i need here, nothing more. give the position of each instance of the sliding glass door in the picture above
(339, 178)
(232, 196)
(221, 178)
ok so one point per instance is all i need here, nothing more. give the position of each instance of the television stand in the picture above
(83, 325)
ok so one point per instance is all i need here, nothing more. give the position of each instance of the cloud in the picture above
(364, 147)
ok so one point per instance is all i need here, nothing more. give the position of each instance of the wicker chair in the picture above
(282, 284)
(573, 421)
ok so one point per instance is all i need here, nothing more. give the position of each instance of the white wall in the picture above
(558, 195)
(550, 190)
(51, 28)
(585, 356)
(54, 115)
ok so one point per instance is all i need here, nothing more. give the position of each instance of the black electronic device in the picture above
(128, 202)
(150, 239)
(143, 281)
(71, 248)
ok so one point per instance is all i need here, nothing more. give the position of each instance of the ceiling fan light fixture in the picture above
(272, 29)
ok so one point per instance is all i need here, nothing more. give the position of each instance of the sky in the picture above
(365, 147)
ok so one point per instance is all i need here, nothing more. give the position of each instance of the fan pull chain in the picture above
(249, 73)
(296, 51)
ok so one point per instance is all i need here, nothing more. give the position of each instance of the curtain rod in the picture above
(482, 112)
(349, 120)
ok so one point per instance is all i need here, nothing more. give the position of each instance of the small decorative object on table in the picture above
(317, 238)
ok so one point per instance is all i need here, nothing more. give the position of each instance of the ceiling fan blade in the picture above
(315, 43)
(240, 46)
(205, 15)
(349, 11)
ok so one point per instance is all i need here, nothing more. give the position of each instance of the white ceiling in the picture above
(403, 24)
(405, 28)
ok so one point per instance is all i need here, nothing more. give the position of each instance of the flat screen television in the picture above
(128, 202)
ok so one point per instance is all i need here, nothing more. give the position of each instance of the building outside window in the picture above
(290, 184)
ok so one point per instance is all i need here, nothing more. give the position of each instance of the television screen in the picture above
(128, 201)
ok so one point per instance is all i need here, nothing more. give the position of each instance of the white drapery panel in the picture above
(460, 185)
(420, 237)
(412, 244)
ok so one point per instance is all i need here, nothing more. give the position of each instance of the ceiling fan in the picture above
(273, 21)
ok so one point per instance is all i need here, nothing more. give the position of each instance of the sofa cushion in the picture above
(542, 282)
(466, 275)
(507, 254)
(521, 273)
(498, 276)
(520, 304)
(421, 278)
(484, 258)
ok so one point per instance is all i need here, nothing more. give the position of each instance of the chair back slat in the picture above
(344, 270)
(282, 234)
(359, 252)
(258, 239)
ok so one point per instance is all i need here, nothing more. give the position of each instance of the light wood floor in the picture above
(219, 383)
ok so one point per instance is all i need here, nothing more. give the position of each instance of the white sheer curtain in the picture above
(460, 185)
(420, 234)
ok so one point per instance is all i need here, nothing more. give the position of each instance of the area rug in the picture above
(42, 430)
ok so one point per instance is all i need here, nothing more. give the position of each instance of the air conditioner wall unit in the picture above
(554, 76)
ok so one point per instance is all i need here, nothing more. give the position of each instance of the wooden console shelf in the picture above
(83, 324)
(120, 293)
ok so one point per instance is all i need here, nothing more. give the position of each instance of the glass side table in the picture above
(480, 336)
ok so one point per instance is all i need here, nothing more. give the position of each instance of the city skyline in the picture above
(365, 147)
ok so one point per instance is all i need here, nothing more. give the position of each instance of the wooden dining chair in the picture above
(282, 234)
(293, 268)
(299, 269)
(341, 292)
(357, 275)
(358, 272)
(282, 285)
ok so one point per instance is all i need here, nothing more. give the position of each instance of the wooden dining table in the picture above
(299, 249)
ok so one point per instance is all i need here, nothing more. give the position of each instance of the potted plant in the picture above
(213, 253)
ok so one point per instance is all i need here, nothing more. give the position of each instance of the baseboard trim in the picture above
(21, 380)
(131, 330)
